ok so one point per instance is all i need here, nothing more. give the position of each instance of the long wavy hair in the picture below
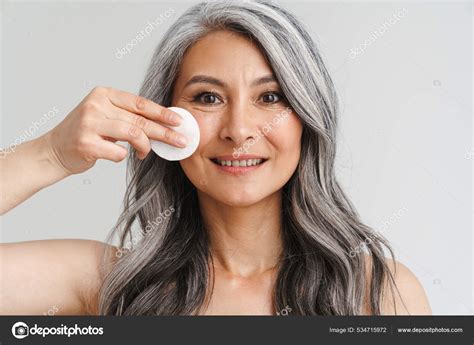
(164, 262)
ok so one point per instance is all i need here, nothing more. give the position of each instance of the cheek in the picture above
(208, 127)
(286, 139)
(194, 166)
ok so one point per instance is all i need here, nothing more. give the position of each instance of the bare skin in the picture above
(242, 213)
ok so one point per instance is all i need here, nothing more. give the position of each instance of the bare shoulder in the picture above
(408, 296)
(96, 259)
(64, 273)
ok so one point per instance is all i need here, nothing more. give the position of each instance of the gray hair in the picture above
(167, 272)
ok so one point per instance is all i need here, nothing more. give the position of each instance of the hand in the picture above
(105, 116)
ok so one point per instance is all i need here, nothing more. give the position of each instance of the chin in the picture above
(233, 198)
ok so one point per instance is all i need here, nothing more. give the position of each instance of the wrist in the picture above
(49, 158)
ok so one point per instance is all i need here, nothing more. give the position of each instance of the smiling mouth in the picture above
(239, 163)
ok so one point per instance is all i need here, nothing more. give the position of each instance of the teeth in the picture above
(240, 163)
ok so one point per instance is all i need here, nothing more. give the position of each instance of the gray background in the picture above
(405, 154)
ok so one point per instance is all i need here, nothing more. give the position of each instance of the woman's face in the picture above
(229, 87)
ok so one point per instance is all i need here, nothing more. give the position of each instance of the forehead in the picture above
(225, 55)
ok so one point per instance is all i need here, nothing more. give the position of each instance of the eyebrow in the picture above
(217, 82)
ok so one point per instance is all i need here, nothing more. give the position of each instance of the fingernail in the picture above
(176, 119)
(181, 140)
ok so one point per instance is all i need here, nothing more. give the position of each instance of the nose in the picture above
(239, 125)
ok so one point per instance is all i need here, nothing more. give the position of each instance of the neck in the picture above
(243, 240)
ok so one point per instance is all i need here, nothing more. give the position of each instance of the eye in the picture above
(206, 97)
(273, 97)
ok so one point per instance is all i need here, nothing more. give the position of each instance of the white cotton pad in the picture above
(189, 128)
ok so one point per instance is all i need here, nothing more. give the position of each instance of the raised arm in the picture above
(88, 133)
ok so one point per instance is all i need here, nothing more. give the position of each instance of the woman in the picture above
(252, 223)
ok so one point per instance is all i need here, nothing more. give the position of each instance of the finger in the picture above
(110, 139)
(124, 131)
(110, 151)
(152, 129)
(145, 107)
